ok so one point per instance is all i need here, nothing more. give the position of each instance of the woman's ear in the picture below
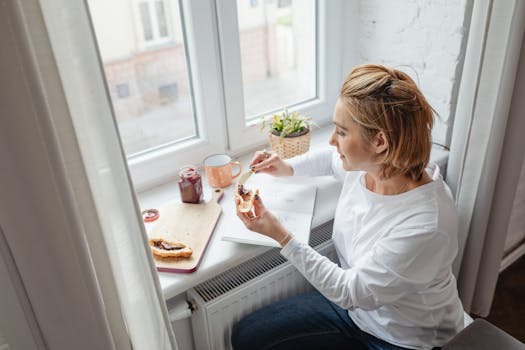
(380, 143)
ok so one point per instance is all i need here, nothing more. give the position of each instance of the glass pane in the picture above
(146, 21)
(161, 18)
(278, 53)
(150, 87)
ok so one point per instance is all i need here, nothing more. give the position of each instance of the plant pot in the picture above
(291, 145)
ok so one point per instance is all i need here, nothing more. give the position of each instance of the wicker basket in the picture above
(288, 147)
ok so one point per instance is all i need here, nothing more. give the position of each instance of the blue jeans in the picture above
(307, 321)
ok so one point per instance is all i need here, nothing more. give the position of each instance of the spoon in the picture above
(244, 177)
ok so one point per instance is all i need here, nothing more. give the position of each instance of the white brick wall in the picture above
(421, 37)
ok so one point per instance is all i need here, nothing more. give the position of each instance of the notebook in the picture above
(292, 203)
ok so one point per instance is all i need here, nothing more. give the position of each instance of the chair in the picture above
(482, 335)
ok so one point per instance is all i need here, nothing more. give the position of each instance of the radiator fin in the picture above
(321, 234)
(237, 276)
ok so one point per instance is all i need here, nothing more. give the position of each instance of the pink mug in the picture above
(219, 170)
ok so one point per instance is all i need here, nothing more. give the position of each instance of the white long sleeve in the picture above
(395, 254)
(394, 268)
(324, 161)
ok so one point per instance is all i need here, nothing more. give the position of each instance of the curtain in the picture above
(69, 214)
(486, 147)
(515, 241)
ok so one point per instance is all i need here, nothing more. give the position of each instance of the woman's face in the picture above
(354, 150)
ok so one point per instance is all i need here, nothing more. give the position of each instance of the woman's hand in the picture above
(264, 222)
(270, 163)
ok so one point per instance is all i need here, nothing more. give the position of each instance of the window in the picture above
(161, 111)
(278, 54)
(215, 68)
(122, 90)
(153, 20)
(145, 18)
(168, 93)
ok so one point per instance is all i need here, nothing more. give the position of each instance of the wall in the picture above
(115, 31)
(421, 37)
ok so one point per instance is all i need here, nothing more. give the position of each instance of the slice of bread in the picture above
(165, 248)
(246, 198)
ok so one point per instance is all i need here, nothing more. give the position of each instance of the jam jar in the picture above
(190, 184)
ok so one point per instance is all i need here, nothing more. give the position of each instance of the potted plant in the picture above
(289, 132)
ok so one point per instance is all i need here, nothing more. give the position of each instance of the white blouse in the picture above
(395, 251)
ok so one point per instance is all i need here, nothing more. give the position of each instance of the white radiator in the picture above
(225, 299)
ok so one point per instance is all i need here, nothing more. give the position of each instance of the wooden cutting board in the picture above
(192, 224)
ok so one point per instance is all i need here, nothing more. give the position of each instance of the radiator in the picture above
(226, 298)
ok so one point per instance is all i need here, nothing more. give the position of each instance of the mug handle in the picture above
(239, 166)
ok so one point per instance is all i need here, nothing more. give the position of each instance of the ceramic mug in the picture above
(219, 170)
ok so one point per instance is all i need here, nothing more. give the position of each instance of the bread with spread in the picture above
(246, 198)
(166, 248)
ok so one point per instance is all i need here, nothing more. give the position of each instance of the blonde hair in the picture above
(383, 99)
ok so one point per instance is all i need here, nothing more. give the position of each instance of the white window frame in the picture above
(243, 136)
(212, 44)
(155, 167)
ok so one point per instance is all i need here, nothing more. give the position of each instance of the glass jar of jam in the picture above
(190, 185)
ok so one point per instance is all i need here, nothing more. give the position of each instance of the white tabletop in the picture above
(221, 255)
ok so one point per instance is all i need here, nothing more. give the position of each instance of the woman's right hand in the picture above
(264, 222)
(270, 163)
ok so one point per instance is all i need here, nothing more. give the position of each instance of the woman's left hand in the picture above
(264, 222)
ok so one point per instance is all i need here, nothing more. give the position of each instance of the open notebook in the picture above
(292, 203)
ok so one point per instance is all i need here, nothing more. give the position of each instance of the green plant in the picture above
(287, 124)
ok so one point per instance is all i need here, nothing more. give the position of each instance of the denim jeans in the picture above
(307, 321)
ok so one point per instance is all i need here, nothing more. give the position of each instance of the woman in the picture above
(395, 231)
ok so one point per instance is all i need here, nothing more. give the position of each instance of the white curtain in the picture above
(515, 241)
(486, 148)
(69, 215)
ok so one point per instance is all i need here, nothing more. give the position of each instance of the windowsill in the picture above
(222, 255)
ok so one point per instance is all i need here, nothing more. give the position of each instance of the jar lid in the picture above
(150, 215)
(188, 170)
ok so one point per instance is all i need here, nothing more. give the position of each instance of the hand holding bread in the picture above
(250, 208)
(263, 221)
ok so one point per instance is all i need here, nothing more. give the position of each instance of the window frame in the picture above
(151, 168)
(245, 135)
(211, 40)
